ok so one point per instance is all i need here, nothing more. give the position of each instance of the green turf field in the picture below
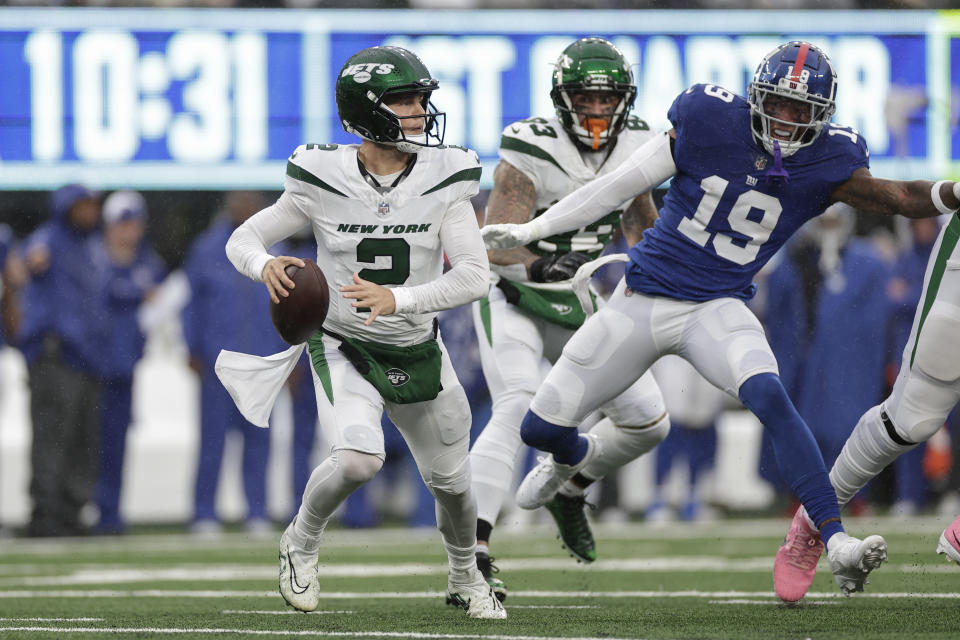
(680, 581)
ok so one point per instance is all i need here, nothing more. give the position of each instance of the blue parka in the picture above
(65, 301)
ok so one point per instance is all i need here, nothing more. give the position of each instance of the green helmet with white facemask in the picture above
(373, 75)
(592, 64)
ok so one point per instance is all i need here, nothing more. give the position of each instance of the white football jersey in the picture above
(390, 239)
(544, 152)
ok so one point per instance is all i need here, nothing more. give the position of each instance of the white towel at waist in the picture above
(254, 382)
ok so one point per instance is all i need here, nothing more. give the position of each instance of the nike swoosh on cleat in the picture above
(956, 540)
(294, 585)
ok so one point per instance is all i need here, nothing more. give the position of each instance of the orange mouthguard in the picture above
(596, 126)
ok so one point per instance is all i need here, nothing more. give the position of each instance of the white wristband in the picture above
(938, 201)
(535, 230)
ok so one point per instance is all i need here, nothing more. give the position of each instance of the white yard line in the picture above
(282, 613)
(365, 595)
(50, 620)
(310, 634)
(120, 574)
(553, 606)
(124, 574)
(767, 602)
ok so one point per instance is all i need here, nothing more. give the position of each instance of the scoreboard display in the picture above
(217, 99)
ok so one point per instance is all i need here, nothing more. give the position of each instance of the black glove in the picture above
(555, 269)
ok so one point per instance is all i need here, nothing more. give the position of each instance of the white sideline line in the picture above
(121, 574)
(554, 606)
(767, 602)
(50, 620)
(281, 613)
(231, 573)
(319, 634)
(386, 595)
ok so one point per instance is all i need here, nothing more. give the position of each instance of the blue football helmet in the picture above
(801, 75)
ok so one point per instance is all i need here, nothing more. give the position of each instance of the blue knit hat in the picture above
(63, 199)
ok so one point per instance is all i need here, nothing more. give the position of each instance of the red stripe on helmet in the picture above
(798, 64)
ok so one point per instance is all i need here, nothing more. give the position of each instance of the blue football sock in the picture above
(564, 443)
(795, 449)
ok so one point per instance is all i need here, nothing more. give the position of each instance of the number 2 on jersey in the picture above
(397, 249)
(756, 233)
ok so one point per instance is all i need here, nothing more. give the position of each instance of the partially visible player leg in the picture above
(851, 560)
(726, 344)
(329, 485)
(604, 357)
(926, 390)
(511, 352)
(636, 421)
(353, 430)
(438, 434)
(928, 385)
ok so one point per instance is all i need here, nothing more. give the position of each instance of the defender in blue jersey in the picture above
(746, 174)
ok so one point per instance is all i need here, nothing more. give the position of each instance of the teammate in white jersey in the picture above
(531, 311)
(384, 212)
(926, 390)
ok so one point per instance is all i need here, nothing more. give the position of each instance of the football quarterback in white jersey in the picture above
(383, 212)
(531, 310)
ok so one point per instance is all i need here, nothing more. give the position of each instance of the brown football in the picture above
(301, 314)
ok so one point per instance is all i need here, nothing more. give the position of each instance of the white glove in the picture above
(508, 236)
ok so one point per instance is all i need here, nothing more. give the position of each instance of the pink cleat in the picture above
(797, 558)
(949, 544)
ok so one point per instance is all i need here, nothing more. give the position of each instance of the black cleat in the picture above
(487, 568)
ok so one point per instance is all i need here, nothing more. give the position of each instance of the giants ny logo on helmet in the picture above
(361, 72)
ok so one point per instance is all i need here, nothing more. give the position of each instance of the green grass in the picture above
(682, 581)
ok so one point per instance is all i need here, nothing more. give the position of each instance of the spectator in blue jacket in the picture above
(133, 271)
(226, 311)
(62, 335)
(827, 321)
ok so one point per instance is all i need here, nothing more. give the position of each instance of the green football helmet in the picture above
(592, 64)
(368, 78)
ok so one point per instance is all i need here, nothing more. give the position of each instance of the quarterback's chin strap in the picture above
(581, 280)
(254, 382)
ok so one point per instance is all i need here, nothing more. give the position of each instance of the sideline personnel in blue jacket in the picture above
(133, 271)
(226, 311)
(61, 336)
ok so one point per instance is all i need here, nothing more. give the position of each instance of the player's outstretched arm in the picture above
(910, 198)
(647, 167)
